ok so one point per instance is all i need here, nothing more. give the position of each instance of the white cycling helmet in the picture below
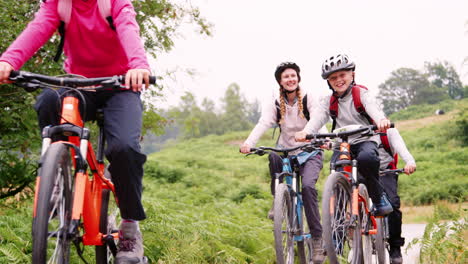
(337, 63)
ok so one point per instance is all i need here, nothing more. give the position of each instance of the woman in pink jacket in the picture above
(95, 49)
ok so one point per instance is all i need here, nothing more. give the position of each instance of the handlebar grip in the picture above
(374, 127)
(13, 74)
(152, 79)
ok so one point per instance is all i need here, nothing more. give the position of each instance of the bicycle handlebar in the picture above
(309, 147)
(105, 82)
(366, 129)
(395, 170)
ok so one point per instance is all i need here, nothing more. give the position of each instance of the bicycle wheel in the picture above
(383, 256)
(304, 246)
(110, 215)
(304, 251)
(284, 239)
(366, 224)
(51, 224)
(341, 232)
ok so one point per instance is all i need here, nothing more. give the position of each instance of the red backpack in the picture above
(356, 93)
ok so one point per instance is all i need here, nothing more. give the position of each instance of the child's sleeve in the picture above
(34, 36)
(128, 31)
(371, 106)
(319, 115)
(398, 144)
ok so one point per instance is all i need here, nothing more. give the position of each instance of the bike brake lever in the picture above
(29, 87)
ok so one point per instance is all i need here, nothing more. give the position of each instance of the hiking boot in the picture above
(130, 247)
(271, 213)
(395, 255)
(318, 252)
(384, 207)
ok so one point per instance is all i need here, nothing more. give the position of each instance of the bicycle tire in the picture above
(304, 248)
(284, 239)
(366, 224)
(51, 224)
(304, 251)
(342, 241)
(383, 256)
(107, 224)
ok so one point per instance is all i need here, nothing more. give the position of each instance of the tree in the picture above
(159, 21)
(235, 110)
(444, 76)
(253, 111)
(402, 89)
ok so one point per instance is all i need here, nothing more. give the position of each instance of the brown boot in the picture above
(318, 252)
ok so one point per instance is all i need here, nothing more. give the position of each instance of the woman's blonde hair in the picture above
(283, 104)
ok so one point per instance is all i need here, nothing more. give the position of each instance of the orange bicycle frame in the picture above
(87, 195)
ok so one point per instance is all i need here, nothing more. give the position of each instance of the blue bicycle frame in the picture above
(290, 178)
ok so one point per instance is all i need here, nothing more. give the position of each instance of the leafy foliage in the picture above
(444, 242)
(406, 86)
(19, 136)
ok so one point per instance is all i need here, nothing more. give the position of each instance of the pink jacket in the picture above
(91, 47)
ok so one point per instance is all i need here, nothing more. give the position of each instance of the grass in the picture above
(206, 203)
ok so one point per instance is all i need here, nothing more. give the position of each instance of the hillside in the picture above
(206, 203)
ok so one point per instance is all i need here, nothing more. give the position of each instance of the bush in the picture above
(444, 242)
(461, 131)
(163, 174)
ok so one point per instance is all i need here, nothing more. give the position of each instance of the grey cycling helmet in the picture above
(337, 63)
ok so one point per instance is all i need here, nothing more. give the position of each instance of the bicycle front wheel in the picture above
(110, 216)
(283, 222)
(341, 230)
(51, 223)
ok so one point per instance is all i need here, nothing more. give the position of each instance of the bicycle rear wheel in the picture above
(283, 222)
(341, 231)
(304, 251)
(51, 224)
(109, 217)
(366, 224)
(383, 256)
(304, 246)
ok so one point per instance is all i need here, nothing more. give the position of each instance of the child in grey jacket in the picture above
(339, 73)
(390, 183)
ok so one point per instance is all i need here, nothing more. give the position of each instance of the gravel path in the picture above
(409, 232)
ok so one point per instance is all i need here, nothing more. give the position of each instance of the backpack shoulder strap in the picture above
(64, 9)
(333, 110)
(305, 110)
(278, 111)
(105, 8)
(356, 92)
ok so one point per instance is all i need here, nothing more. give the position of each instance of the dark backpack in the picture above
(305, 110)
(356, 93)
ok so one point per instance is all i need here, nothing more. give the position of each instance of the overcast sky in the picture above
(251, 37)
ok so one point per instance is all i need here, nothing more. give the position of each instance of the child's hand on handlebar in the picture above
(383, 125)
(135, 77)
(245, 148)
(410, 168)
(5, 70)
